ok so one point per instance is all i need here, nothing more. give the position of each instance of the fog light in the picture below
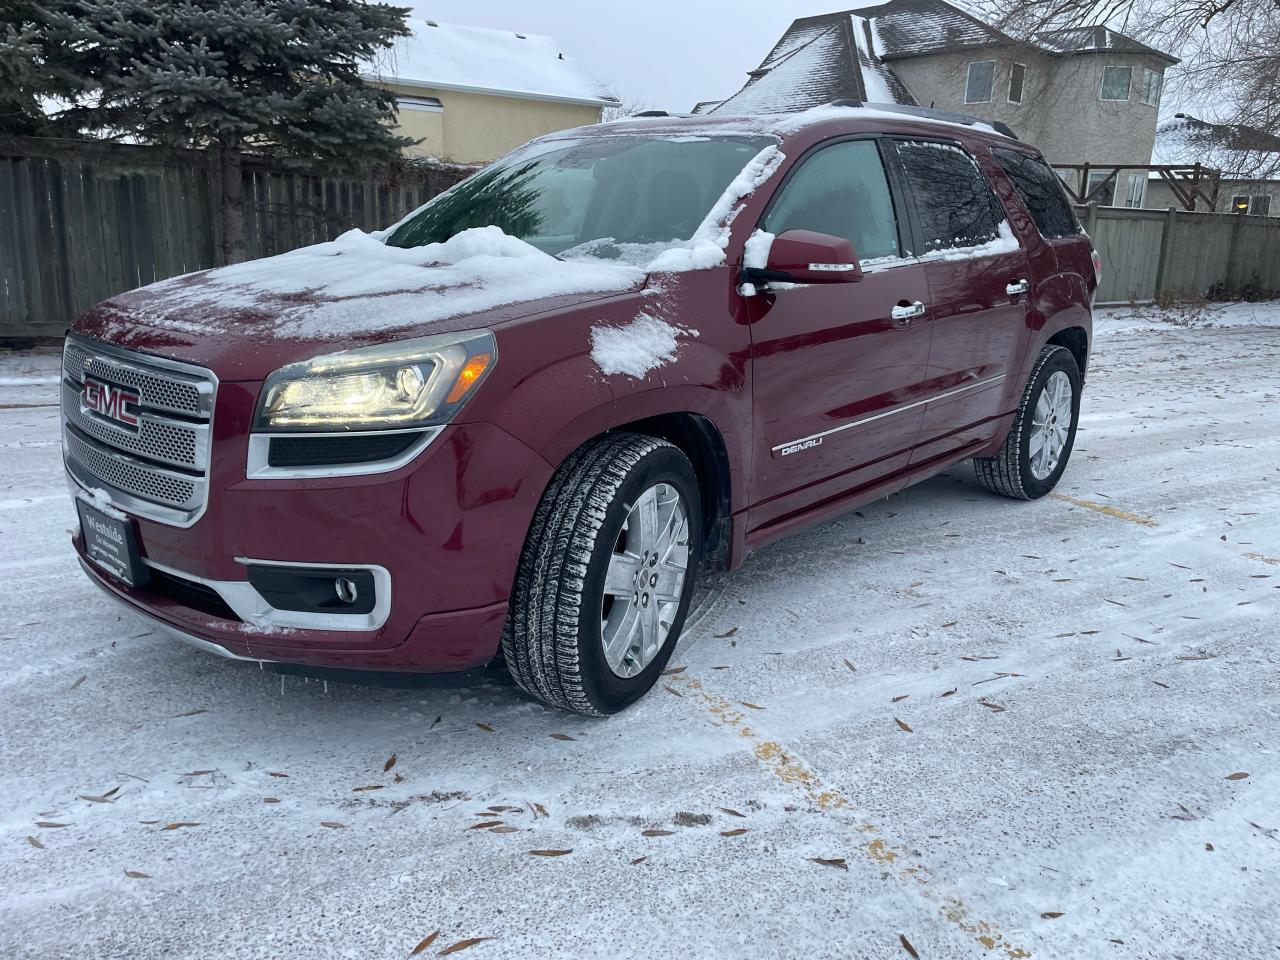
(346, 589)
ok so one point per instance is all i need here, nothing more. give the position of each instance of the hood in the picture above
(246, 320)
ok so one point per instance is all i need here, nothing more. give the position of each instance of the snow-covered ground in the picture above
(978, 727)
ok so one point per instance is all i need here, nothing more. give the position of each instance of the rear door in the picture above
(837, 382)
(979, 285)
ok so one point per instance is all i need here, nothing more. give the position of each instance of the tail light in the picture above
(1097, 267)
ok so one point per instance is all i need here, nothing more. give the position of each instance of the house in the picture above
(1248, 160)
(1086, 95)
(470, 94)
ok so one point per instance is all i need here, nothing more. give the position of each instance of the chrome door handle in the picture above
(906, 312)
(1016, 287)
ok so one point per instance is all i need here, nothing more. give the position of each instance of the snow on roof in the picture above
(909, 28)
(1095, 39)
(452, 57)
(819, 59)
(1240, 152)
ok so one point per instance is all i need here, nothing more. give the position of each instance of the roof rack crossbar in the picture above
(928, 113)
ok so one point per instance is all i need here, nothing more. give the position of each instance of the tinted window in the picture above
(952, 197)
(841, 190)
(1041, 193)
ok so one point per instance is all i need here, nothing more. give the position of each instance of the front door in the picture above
(979, 286)
(837, 382)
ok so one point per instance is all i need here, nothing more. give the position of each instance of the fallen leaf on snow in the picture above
(462, 945)
(638, 860)
(179, 824)
(333, 824)
(672, 671)
(49, 823)
(831, 862)
(485, 825)
(903, 726)
(561, 736)
(549, 853)
(727, 634)
(992, 706)
(78, 682)
(189, 713)
(753, 706)
(505, 829)
(656, 833)
(735, 832)
(1051, 914)
(137, 875)
(851, 667)
(899, 699)
(906, 945)
(948, 693)
(1237, 776)
(368, 787)
(425, 942)
(35, 843)
(733, 813)
(484, 726)
(270, 799)
(391, 762)
(273, 773)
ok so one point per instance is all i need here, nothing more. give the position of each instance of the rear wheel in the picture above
(1039, 444)
(606, 575)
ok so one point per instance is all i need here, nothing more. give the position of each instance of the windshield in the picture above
(615, 198)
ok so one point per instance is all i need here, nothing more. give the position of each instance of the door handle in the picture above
(903, 312)
(1016, 287)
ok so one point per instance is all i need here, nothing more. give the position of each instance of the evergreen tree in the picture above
(277, 77)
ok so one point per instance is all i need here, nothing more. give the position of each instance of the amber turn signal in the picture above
(467, 376)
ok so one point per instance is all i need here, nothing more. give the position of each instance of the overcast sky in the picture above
(667, 53)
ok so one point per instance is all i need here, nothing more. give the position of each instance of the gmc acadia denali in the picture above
(516, 424)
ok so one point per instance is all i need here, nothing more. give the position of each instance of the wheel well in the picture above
(1075, 340)
(700, 441)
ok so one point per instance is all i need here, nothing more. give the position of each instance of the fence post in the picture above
(1166, 242)
(1091, 219)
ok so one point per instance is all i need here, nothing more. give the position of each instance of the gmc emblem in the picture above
(111, 402)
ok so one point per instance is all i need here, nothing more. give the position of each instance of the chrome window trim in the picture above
(252, 607)
(257, 466)
(888, 413)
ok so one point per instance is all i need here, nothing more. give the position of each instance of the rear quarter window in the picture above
(953, 200)
(1041, 193)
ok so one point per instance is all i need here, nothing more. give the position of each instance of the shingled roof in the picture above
(849, 54)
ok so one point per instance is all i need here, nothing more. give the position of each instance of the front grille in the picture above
(160, 470)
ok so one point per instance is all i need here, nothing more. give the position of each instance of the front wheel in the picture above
(606, 575)
(1039, 444)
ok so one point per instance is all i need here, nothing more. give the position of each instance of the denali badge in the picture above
(111, 402)
(802, 445)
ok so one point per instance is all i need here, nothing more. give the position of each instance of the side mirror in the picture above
(805, 256)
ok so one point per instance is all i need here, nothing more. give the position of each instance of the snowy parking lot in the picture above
(946, 726)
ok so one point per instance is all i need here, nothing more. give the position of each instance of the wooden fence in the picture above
(1148, 254)
(81, 221)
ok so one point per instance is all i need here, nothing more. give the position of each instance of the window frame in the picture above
(1130, 201)
(1253, 204)
(917, 222)
(1151, 79)
(412, 102)
(897, 196)
(1107, 177)
(1102, 89)
(1022, 83)
(968, 77)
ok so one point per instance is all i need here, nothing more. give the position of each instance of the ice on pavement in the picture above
(1083, 693)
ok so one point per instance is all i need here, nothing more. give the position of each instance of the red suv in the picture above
(515, 425)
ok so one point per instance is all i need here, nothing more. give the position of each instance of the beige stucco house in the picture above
(1087, 95)
(470, 94)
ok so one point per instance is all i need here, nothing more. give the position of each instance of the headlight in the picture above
(391, 386)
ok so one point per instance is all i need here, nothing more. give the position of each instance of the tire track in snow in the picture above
(885, 855)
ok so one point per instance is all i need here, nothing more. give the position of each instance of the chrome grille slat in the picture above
(175, 443)
(159, 471)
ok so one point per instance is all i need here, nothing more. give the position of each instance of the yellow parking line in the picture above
(793, 771)
(1109, 511)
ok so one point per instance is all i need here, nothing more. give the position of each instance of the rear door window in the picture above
(954, 203)
(841, 190)
(1041, 192)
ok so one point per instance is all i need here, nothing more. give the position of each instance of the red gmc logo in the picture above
(110, 402)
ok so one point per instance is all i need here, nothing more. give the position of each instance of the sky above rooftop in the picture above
(669, 54)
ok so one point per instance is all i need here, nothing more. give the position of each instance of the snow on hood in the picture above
(357, 283)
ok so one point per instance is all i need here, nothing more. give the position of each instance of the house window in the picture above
(429, 104)
(980, 81)
(1150, 87)
(1257, 206)
(1017, 74)
(1137, 190)
(1104, 183)
(1116, 82)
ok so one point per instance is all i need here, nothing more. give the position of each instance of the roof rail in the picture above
(659, 113)
(928, 113)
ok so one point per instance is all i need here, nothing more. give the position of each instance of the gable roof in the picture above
(849, 54)
(446, 56)
(818, 59)
(1240, 152)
